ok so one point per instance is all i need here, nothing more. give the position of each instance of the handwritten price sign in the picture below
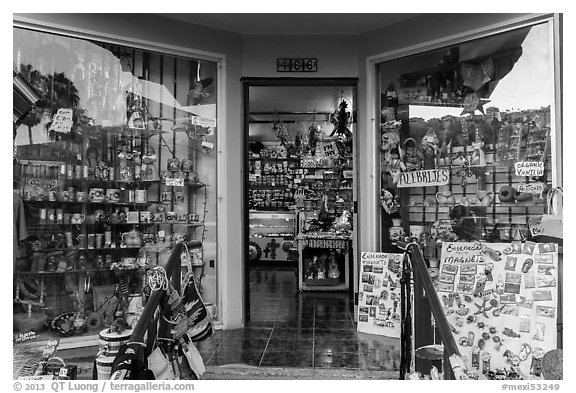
(532, 188)
(62, 121)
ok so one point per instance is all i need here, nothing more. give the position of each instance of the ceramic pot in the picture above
(506, 193)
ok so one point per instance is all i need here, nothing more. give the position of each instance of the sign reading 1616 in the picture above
(297, 65)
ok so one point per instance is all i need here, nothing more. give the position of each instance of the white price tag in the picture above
(161, 234)
(174, 182)
(208, 145)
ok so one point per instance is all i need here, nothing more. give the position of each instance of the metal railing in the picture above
(427, 305)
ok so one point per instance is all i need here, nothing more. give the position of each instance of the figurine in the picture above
(413, 157)
(149, 168)
(396, 166)
(388, 201)
(430, 149)
(478, 156)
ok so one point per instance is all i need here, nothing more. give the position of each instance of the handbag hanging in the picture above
(198, 323)
(548, 227)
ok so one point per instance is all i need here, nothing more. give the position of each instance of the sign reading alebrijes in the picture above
(424, 178)
(379, 294)
(501, 302)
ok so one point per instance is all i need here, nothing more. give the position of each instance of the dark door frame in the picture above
(248, 82)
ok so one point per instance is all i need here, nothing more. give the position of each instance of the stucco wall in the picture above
(337, 54)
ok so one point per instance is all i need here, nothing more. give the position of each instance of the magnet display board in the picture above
(379, 293)
(501, 306)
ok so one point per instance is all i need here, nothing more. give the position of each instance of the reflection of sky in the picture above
(528, 86)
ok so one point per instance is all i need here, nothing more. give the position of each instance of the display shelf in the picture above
(91, 203)
(285, 236)
(270, 187)
(48, 250)
(36, 227)
(78, 271)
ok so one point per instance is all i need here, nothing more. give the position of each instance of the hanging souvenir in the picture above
(281, 131)
(412, 155)
(475, 77)
(396, 164)
(478, 156)
(430, 149)
(314, 132)
(340, 119)
(388, 201)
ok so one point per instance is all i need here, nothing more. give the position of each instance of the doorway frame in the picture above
(248, 82)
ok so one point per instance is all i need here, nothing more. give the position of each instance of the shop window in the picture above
(466, 137)
(113, 165)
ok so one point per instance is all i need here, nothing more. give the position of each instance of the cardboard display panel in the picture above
(379, 293)
(501, 302)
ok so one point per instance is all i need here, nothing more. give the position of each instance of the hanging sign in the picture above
(424, 178)
(501, 302)
(529, 168)
(379, 293)
(62, 121)
(328, 150)
(203, 122)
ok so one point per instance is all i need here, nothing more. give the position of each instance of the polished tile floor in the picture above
(288, 328)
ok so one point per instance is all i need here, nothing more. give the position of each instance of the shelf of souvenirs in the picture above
(425, 205)
(323, 236)
(292, 158)
(96, 131)
(144, 248)
(46, 202)
(41, 226)
(287, 236)
(87, 270)
(107, 183)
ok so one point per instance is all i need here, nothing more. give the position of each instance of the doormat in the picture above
(242, 371)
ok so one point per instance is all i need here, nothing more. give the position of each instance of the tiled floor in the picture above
(299, 329)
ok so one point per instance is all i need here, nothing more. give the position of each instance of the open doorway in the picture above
(300, 192)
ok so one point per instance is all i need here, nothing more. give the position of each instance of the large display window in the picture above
(113, 165)
(470, 173)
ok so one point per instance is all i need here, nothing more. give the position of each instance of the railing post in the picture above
(424, 333)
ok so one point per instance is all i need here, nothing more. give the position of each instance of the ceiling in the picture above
(293, 24)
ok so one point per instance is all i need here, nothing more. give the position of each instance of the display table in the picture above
(324, 262)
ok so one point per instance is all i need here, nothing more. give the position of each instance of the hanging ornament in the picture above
(198, 93)
(464, 172)
(473, 102)
(281, 130)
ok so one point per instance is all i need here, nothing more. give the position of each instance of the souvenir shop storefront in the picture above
(448, 174)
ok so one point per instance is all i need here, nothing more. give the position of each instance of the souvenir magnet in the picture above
(525, 351)
(486, 363)
(536, 365)
(542, 295)
(527, 265)
(524, 325)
